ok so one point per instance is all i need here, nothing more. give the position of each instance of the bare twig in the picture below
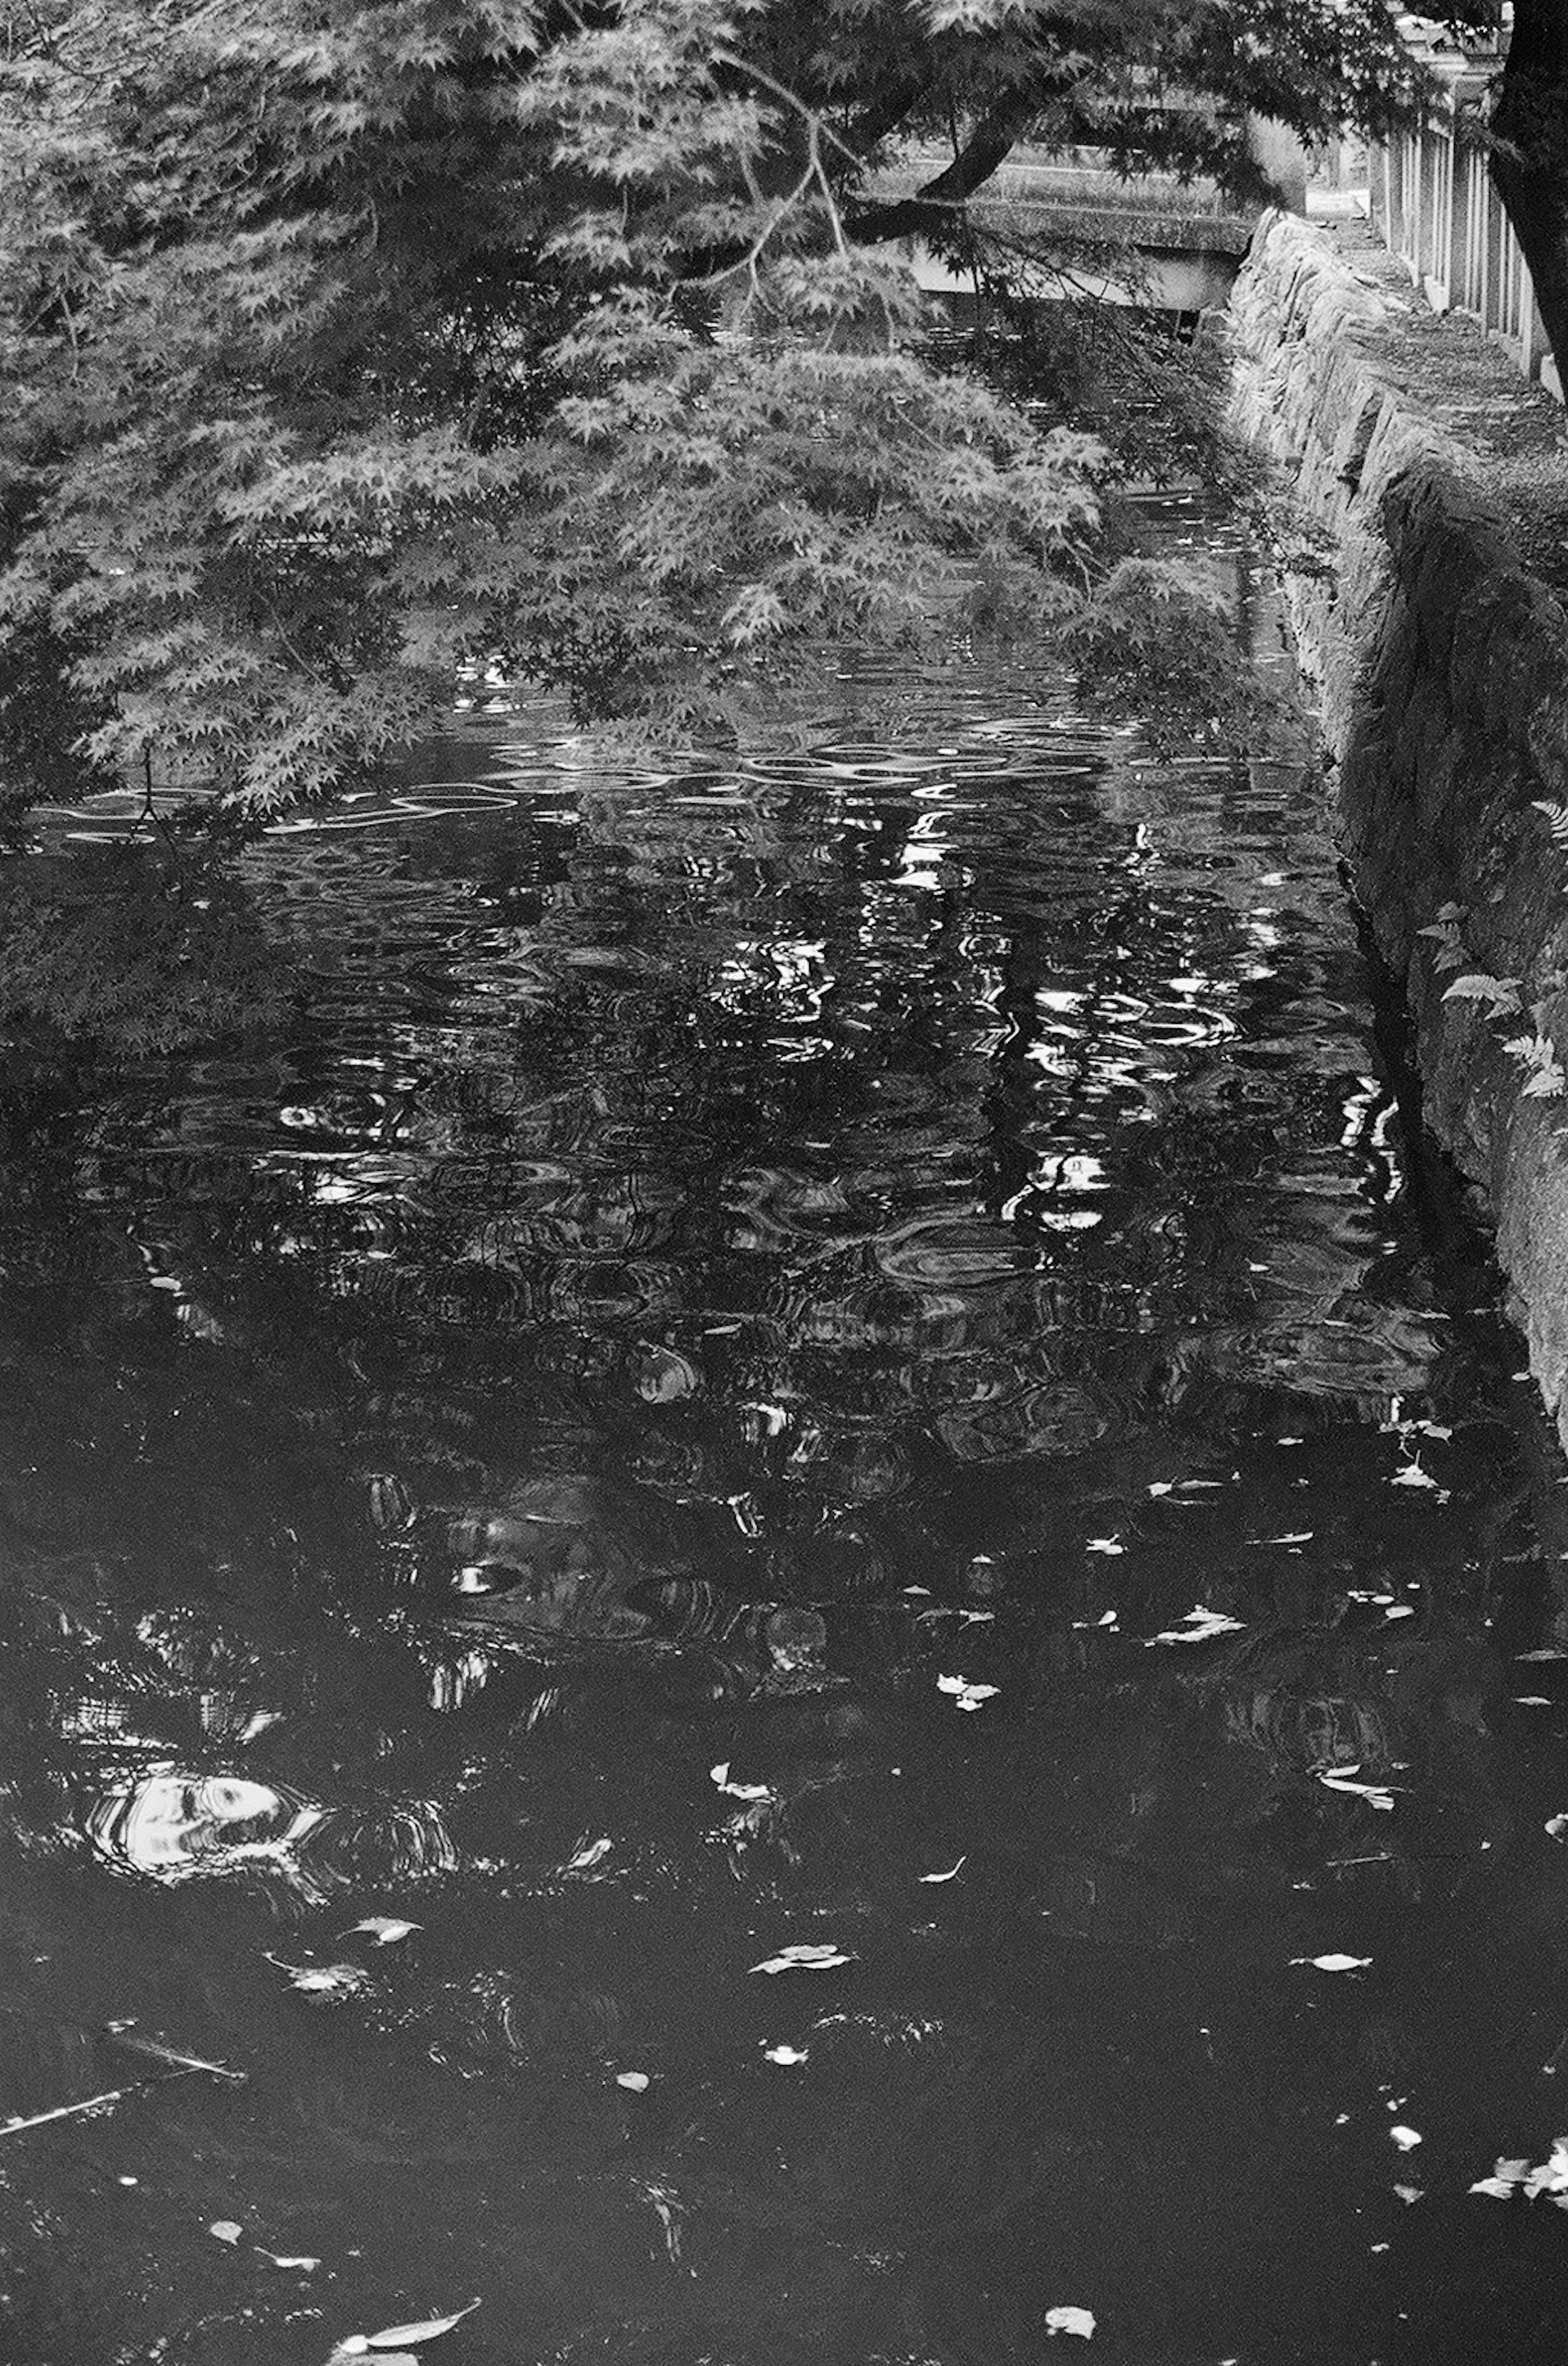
(91, 2103)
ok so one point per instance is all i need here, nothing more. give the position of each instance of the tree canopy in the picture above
(350, 343)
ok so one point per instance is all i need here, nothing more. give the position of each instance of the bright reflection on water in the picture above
(686, 1412)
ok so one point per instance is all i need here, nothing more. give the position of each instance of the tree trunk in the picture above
(1529, 164)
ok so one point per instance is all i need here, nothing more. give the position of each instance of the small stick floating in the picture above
(88, 2104)
(125, 2032)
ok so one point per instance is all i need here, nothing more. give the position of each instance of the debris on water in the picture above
(1557, 1827)
(1105, 1544)
(226, 2230)
(1409, 2194)
(1198, 1627)
(1511, 2177)
(1405, 2139)
(1334, 1963)
(637, 2082)
(323, 1980)
(281, 2259)
(126, 2034)
(1070, 2320)
(1342, 1779)
(399, 2337)
(952, 1875)
(803, 1958)
(720, 1774)
(590, 1854)
(785, 2054)
(385, 1929)
(966, 1696)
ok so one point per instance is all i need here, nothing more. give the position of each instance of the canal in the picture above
(800, 1573)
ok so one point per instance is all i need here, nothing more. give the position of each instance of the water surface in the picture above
(846, 1351)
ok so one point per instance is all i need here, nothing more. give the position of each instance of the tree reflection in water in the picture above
(719, 1254)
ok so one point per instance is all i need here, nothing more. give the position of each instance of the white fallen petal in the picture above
(227, 2230)
(1070, 2320)
(1334, 1963)
(1532, 1700)
(753, 1792)
(385, 1929)
(951, 1875)
(1557, 1826)
(1500, 2188)
(637, 2082)
(1412, 1476)
(1104, 1545)
(1408, 2194)
(1401, 1610)
(785, 2054)
(279, 2259)
(1405, 2139)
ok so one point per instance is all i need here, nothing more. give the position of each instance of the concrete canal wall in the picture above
(1437, 636)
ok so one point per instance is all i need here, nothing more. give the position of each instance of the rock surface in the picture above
(1439, 649)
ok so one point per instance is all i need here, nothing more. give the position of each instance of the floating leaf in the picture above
(1409, 2194)
(1339, 1778)
(1405, 2139)
(966, 1694)
(1070, 2320)
(1551, 2177)
(590, 1854)
(950, 1876)
(323, 1980)
(1105, 1544)
(1532, 1700)
(1557, 1827)
(399, 2337)
(1197, 1627)
(804, 1959)
(1334, 1963)
(637, 2082)
(279, 2259)
(752, 1791)
(1412, 1475)
(785, 2054)
(385, 1929)
(227, 2230)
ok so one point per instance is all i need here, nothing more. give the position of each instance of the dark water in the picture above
(726, 1261)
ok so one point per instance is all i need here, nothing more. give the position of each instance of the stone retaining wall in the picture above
(1441, 664)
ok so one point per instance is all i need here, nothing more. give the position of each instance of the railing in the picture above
(1434, 205)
